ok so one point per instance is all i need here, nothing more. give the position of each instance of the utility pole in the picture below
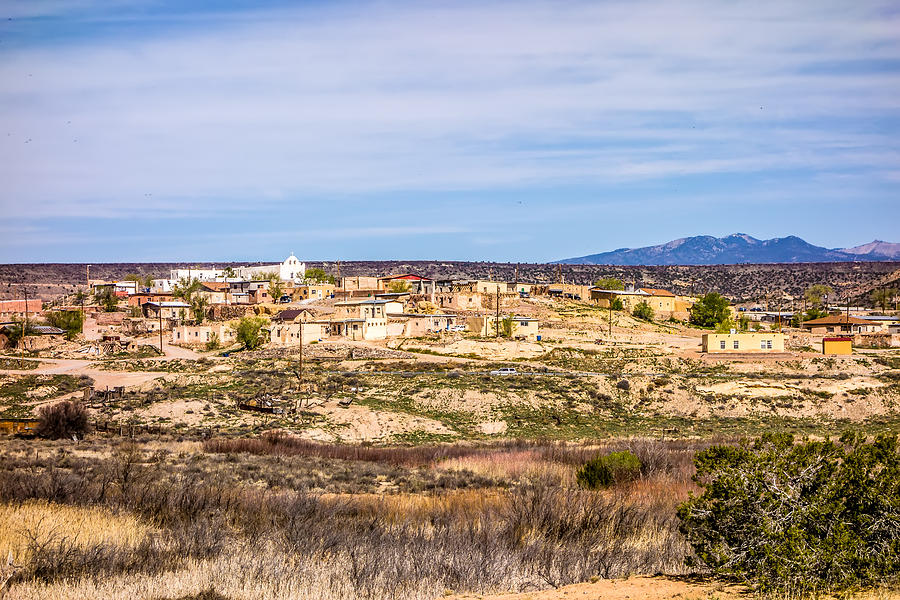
(301, 352)
(161, 351)
(25, 329)
(610, 318)
(497, 317)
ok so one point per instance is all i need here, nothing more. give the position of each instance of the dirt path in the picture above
(102, 379)
(633, 588)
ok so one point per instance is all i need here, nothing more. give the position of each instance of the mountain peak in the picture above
(738, 248)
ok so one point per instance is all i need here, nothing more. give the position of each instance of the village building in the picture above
(288, 333)
(11, 310)
(359, 282)
(414, 284)
(569, 291)
(175, 310)
(313, 291)
(142, 298)
(488, 325)
(840, 324)
(197, 335)
(418, 324)
(837, 345)
(742, 342)
(214, 292)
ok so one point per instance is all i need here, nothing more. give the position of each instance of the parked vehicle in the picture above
(285, 299)
(504, 371)
(456, 328)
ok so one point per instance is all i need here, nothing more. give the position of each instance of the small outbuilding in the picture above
(837, 345)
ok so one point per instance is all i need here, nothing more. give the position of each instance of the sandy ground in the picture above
(650, 588)
(633, 588)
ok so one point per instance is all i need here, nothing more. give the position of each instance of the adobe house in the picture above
(841, 324)
(192, 335)
(418, 324)
(287, 333)
(168, 310)
(742, 342)
(487, 326)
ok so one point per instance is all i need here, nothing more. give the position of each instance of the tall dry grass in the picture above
(244, 540)
(28, 526)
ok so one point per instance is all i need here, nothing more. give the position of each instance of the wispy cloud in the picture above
(191, 115)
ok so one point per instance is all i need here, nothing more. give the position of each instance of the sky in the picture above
(520, 131)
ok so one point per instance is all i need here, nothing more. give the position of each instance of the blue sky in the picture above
(519, 131)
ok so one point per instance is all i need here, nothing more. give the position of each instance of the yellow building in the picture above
(837, 345)
(722, 343)
(316, 291)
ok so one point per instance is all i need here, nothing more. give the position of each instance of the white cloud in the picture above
(430, 97)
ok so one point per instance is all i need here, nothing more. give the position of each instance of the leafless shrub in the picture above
(62, 420)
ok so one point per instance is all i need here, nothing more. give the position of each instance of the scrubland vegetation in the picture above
(270, 515)
(279, 517)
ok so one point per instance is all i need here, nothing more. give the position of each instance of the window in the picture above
(737, 344)
(762, 344)
(722, 345)
(768, 344)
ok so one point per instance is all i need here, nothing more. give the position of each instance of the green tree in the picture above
(317, 275)
(199, 304)
(213, 343)
(17, 331)
(616, 304)
(796, 520)
(228, 273)
(710, 310)
(185, 288)
(882, 297)
(106, 297)
(70, 321)
(609, 283)
(398, 286)
(604, 471)
(276, 288)
(815, 295)
(508, 326)
(249, 331)
(643, 311)
(743, 322)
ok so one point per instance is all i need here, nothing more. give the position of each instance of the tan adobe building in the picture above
(19, 309)
(168, 310)
(195, 335)
(742, 342)
(288, 333)
(359, 283)
(313, 291)
(487, 326)
(840, 324)
(418, 324)
(571, 291)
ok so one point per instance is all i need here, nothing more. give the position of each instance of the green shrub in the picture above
(604, 471)
(616, 304)
(643, 311)
(799, 520)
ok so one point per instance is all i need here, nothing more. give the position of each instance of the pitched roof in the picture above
(216, 286)
(290, 314)
(836, 320)
(658, 292)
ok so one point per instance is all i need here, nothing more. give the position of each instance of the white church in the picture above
(291, 269)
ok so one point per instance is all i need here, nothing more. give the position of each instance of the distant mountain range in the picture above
(738, 248)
